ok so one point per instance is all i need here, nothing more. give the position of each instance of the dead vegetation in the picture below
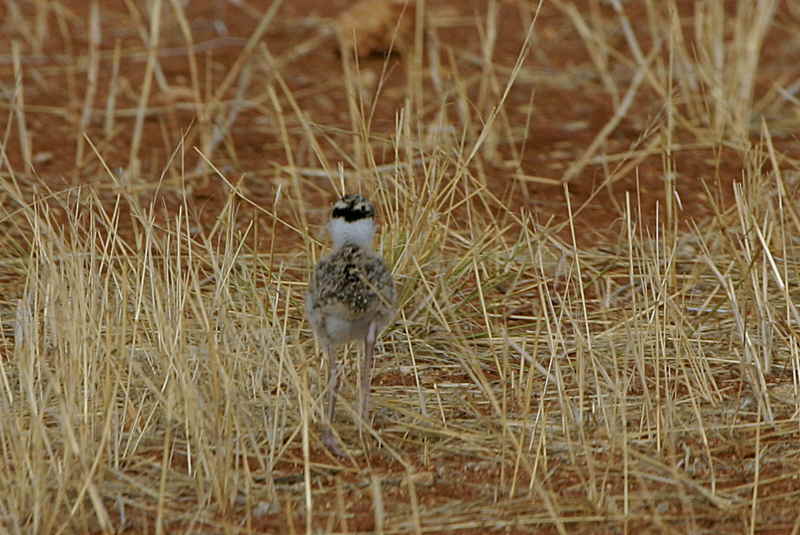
(156, 372)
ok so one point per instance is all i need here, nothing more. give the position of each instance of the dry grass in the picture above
(156, 372)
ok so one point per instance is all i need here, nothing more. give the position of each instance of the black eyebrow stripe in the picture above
(349, 214)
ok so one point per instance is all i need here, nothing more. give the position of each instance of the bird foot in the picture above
(332, 443)
(364, 412)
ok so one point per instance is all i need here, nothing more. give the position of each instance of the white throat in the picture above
(360, 232)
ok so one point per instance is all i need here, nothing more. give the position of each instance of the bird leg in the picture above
(328, 437)
(366, 370)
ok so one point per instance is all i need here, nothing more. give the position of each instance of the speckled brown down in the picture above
(350, 296)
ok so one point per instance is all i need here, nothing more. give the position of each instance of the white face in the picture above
(359, 232)
(352, 221)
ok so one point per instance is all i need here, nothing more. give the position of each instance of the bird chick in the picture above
(351, 296)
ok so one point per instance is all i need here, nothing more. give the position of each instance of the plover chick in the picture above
(350, 296)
